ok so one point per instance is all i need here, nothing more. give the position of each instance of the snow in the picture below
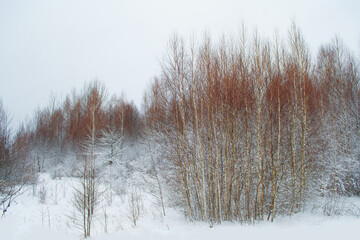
(28, 218)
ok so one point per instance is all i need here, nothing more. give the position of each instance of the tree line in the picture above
(252, 128)
(241, 129)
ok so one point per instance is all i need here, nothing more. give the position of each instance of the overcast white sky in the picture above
(56, 45)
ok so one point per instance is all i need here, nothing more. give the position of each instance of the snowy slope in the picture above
(29, 218)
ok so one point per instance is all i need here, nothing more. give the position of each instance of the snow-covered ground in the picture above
(46, 212)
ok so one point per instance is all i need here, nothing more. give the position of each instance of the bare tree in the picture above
(111, 145)
(87, 195)
(10, 186)
(135, 206)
